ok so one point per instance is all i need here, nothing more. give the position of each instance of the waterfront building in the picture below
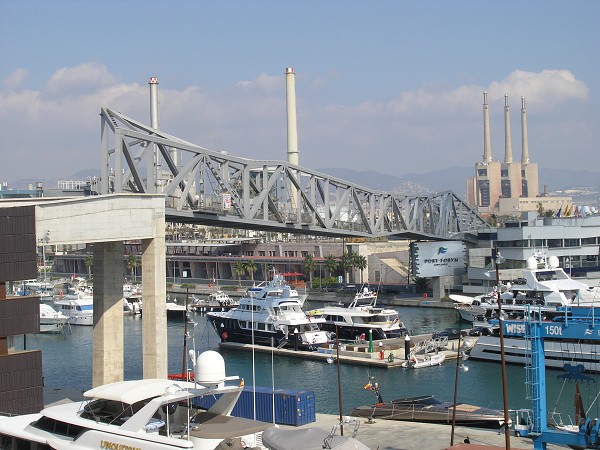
(574, 240)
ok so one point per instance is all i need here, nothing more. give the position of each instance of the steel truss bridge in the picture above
(214, 188)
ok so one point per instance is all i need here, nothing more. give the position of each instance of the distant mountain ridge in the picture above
(559, 181)
(455, 179)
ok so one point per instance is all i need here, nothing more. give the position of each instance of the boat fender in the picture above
(413, 358)
(224, 335)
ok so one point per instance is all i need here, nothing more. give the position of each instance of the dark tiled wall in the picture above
(18, 251)
(21, 384)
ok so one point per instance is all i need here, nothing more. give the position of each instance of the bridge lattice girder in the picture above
(214, 188)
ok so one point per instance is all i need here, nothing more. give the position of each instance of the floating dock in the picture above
(390, 355)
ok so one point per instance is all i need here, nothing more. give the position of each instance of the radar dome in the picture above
(210, 368)
(553, 262)
(532, 263)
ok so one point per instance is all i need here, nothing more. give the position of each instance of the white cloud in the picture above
(15, 79)
(57, 130)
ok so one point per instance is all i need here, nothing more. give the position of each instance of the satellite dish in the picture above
(532, 263)
(553, 262)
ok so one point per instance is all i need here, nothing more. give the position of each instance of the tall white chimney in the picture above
(524, 141)
(152, 169)
(292, 125)
(507, 139)
(487, 145)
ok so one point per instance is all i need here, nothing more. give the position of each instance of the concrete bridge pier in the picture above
(108, 336)
(154, 288)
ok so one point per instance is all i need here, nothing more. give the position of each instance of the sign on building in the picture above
(435, 259)
(226, 201)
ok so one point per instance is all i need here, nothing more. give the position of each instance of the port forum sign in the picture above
(436, 259)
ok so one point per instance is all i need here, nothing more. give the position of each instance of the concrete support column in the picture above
(437, 283)
(107, 366)
(154, 291)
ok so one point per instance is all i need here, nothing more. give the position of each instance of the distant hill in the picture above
(454, 179)
(581, 185)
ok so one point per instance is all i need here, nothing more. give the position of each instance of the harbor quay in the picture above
(386, 353)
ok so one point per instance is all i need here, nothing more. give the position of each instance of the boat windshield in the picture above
(424, 400)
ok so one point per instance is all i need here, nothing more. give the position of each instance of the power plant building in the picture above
(495, 180)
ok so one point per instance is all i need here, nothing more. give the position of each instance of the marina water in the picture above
(67, 363)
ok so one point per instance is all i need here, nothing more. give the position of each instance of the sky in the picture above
(390, 86)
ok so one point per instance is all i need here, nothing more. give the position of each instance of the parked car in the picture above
(481, 331)
(450, 333)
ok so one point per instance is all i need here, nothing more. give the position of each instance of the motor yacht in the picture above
(153, 414)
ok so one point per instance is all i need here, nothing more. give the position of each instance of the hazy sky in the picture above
(390, 86)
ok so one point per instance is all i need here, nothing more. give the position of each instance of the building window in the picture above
(554, 243)
(571, 243)
(504, 173)
(482, 172)
(588, 241)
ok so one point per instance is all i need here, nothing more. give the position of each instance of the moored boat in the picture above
(154, 414)
(271, 315)
(51, 321)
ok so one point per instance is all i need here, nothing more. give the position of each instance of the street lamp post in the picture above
(498, 259)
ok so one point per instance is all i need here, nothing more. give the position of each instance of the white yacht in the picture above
(354, 321)
(78, 307)
(544, 287)
(273, 311)
(151, 414)
(51, 321)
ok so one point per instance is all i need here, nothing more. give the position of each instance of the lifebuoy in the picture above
(224, 335)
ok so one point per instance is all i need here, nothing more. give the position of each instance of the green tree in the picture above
(309, 268)
(360, 262)
(346, 264)
(250, 267)
(89, 263)
(132, 264)
(422, 284)
(331, 265)
(239, 269)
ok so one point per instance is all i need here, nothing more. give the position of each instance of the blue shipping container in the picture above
(292, 407)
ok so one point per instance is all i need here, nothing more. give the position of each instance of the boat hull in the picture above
(557, 353)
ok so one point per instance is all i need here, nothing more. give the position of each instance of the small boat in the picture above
(132, 305)
(78, 307)
(51, 321)
(427, 408)
(158, 414)
(218, 300)
(427, 360)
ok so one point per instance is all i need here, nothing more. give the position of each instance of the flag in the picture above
(558, 212)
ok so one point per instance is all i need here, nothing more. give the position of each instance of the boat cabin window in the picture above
(546, 275)
(58, 427)
(110, 411)
(12, 443)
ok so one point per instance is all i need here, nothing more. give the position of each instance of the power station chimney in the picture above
(292, 129)
(152, 167)
(487, 144)
(524, 142)
(292, 126)
(507, 139)
(153, 83)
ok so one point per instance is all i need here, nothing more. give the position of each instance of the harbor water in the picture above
(67, 363)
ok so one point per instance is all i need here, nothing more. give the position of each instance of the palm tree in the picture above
(89, 262)
(239, 269)
(331, 264)
(250, 267)
(346, 263)
(360, 262)
(132, 263)
(309, 268)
